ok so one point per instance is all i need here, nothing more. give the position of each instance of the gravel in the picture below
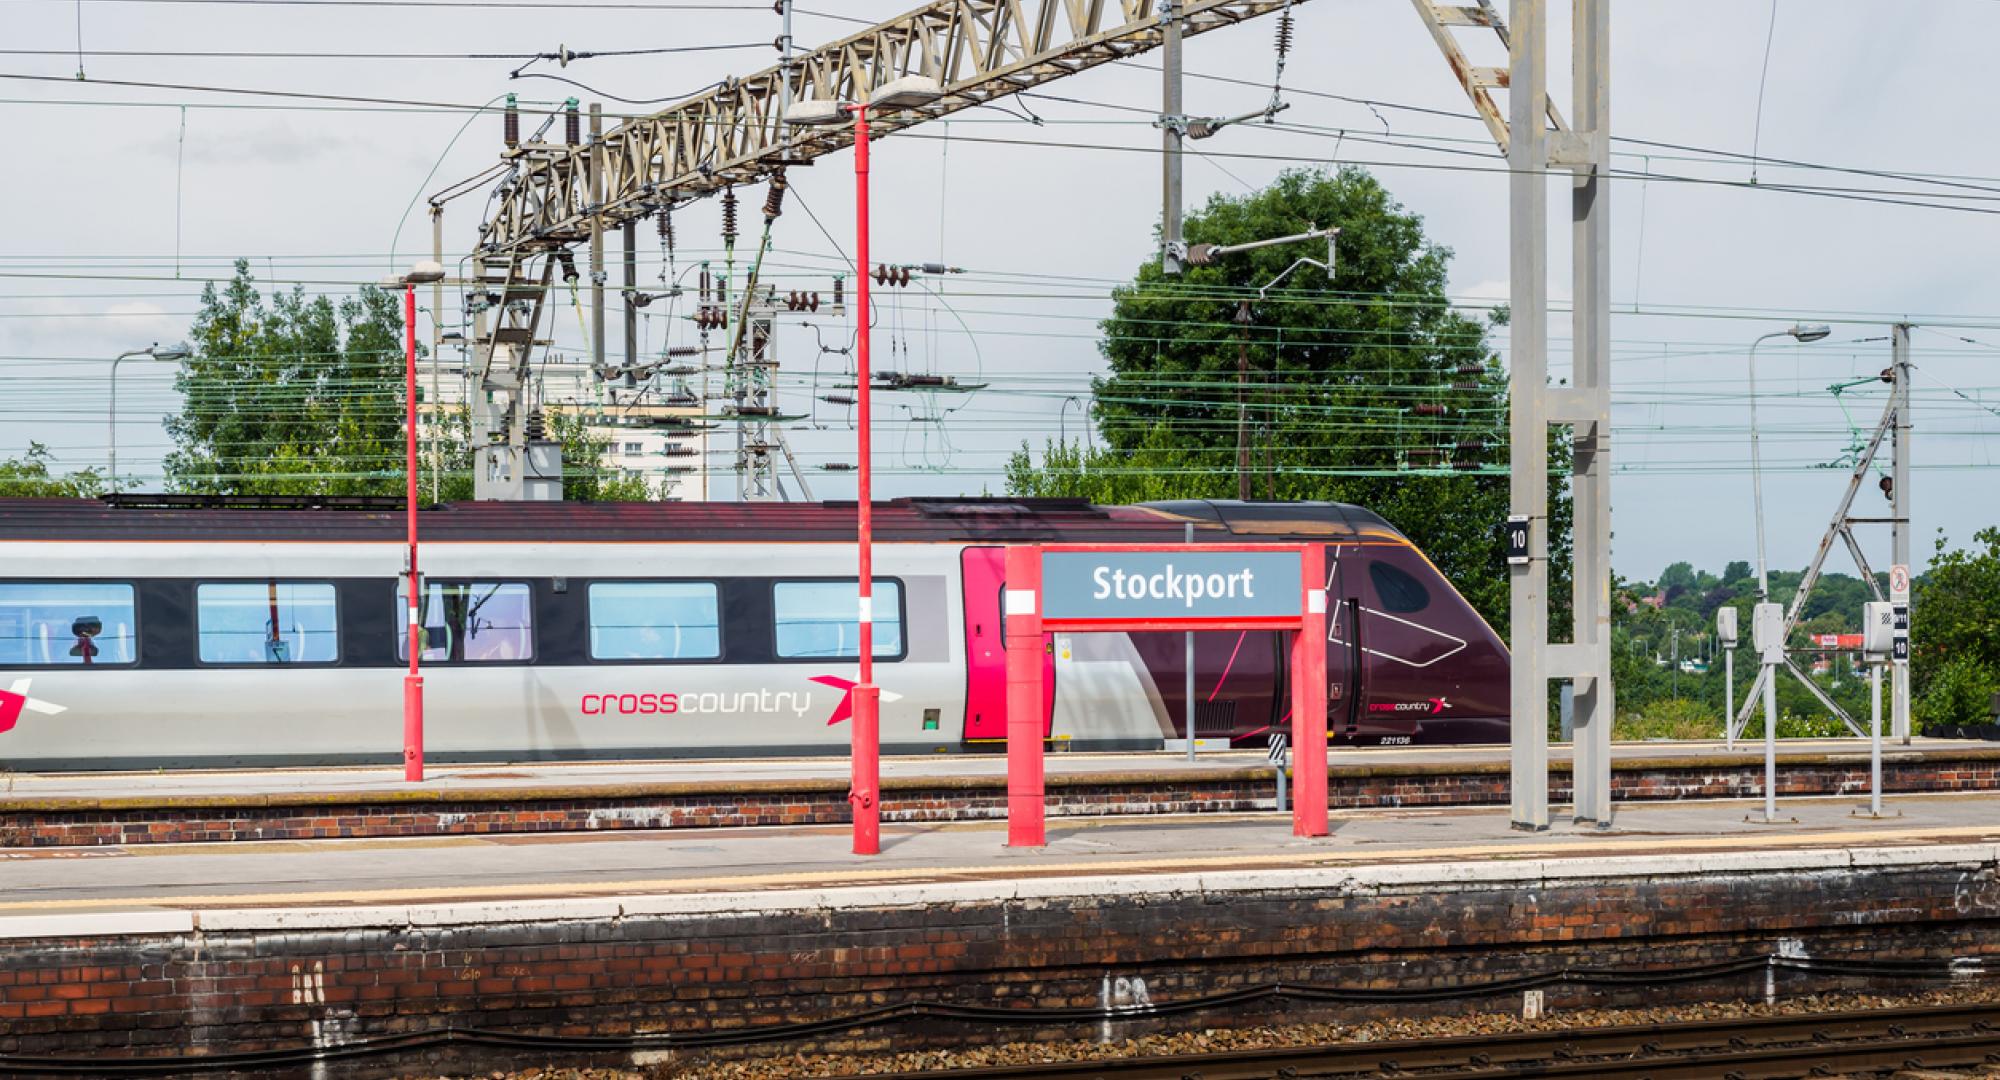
(1212, 1040)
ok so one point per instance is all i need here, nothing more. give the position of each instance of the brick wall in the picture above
(243, 990)
(139, 820)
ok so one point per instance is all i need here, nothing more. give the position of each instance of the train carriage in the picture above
(170, 632)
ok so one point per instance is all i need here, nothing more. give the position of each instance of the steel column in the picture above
(1590, 198)
(866, 788)
(596, 238)
(1172, 132)
(1528, 482)
(1899, 534)
(1021, 629)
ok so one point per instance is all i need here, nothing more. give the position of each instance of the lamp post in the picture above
(423, 273)
(172, 354)
(864, 785)
(1767, 624)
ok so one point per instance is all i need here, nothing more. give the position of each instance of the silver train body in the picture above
(139, 637)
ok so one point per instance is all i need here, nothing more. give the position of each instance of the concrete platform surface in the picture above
(544, 779)
(46, 888)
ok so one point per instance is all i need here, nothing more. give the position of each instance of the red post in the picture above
(864, 788)
(1021, 620)
(1309, 700)
(413, 683)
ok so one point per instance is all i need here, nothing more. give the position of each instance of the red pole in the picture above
(865, 786)
(1021, 623)
(413, 683)
(1309, 699)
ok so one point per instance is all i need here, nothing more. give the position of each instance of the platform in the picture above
(646, 946)
(85, 809)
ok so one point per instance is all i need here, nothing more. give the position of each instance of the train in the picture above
(176, 632)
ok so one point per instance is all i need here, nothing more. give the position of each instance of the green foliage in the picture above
(1330, 386)
(1955, 633)
(303, 396)
(294, 396)
(29, 477)
(1676, 719)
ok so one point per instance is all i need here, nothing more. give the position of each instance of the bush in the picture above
(1959, 691)
(1670, 719)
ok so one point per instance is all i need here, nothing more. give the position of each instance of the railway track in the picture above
(1759, 1048)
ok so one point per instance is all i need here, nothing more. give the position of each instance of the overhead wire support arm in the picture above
(977, 50)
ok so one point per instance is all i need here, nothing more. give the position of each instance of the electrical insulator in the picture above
(572, 123)
(774, 197)
(729, 215)
(568, 264)
(1465, 464)
(1889, 375)
(665, 222)
(1465, 386)
(1471, 369)
(1473, 446)
(1888, 487)
(683, 350)
(812, 301)
(1430, 408)
(839, 291)
(838, 466)
(510, 125)
(538, 428)
(837, 399)
(704, 283)
(898, 276)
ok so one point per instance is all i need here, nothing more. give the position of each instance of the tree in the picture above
(298, 396)
(1955, 634)
(1677, 577)
(29, 477)
(1369, 388)
(303, 396)
(1737, 571)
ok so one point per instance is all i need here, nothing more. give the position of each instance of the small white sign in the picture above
(1899, 583)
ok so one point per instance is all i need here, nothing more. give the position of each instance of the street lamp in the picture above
(423, 273)
(172, 354)
(864, 792)
(1767, 623)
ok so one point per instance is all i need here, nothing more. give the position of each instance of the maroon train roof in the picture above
(911, 520)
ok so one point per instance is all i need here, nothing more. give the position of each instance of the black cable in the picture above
(226, 55)
(520, 73)
(375, 1046)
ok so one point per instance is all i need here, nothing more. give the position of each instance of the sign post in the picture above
(1899, 654)
(1081, 588)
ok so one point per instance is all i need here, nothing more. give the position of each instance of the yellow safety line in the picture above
(821, 879)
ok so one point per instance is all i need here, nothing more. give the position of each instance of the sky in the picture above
(136, 195)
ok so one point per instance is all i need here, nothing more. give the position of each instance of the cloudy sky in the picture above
(126, 198)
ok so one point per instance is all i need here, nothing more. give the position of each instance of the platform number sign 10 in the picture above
(1517, 539)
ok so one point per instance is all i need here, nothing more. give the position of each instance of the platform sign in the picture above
(1168, 586)
(1516, 536)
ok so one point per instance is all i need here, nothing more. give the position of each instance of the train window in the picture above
(817, 619)
(654, 620)
(266, 622)
(67, 623)
(1399, 591)
(473, 621)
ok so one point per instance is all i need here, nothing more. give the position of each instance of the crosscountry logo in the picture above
(15, 699)
(845, 708)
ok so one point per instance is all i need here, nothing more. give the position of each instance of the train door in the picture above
(985, 571)
(1344, 667)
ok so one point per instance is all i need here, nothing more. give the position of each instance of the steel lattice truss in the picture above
(977, 50)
